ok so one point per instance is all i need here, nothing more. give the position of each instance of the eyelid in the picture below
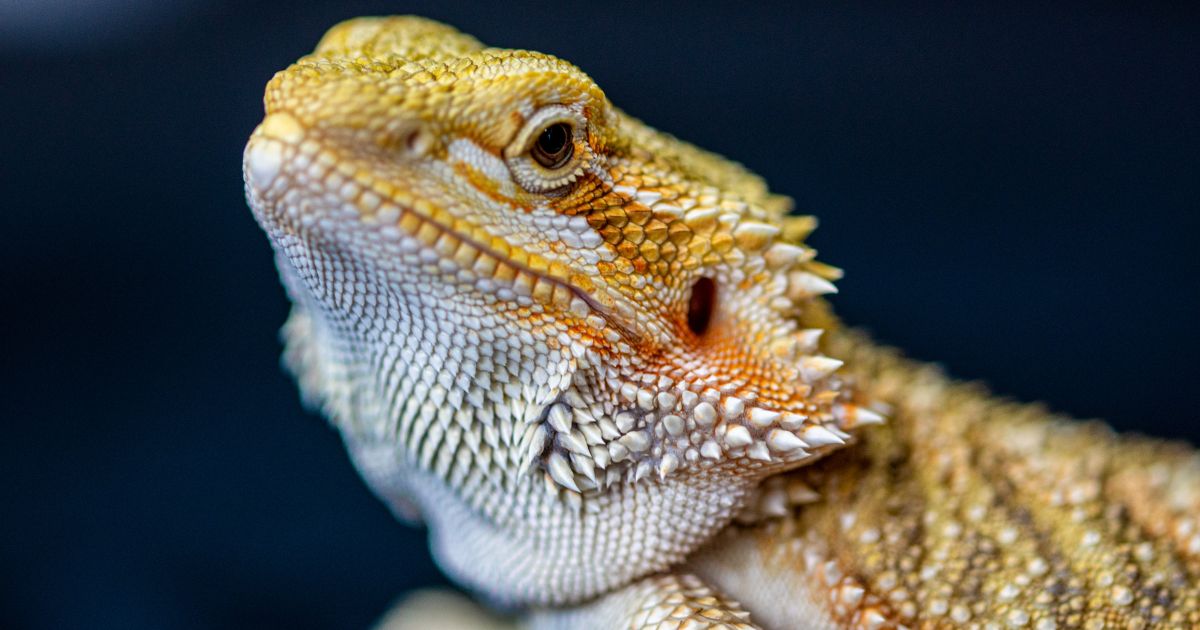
(541, 119)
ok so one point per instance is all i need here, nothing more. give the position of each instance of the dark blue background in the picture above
(1014, 192)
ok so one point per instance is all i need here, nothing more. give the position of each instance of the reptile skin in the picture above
(597, 362)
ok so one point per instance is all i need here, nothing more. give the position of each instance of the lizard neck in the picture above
(565, 555)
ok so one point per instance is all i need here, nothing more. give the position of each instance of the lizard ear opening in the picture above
(701, 305)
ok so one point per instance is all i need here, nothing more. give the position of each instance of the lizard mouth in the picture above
(278, 158)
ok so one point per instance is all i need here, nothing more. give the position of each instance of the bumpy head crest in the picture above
(503, 278)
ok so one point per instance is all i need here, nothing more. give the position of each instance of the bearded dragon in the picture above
(598, 362)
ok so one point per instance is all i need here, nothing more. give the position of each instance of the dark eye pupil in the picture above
(554, 147)
(553, 138)
(702, 304)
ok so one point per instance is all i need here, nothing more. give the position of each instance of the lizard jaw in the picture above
(281, 155)
(417, 226)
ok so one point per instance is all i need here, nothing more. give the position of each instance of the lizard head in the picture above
(508, 292)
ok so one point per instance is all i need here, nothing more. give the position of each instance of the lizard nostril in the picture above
(701, 305)
(417, 142)
(405, 138)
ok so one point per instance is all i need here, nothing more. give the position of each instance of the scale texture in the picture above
(598, 362)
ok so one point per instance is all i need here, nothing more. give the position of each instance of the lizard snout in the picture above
(267, 148)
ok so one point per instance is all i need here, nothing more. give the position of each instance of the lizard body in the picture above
(579, 348)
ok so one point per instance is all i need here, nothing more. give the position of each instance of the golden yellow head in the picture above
(506, 285)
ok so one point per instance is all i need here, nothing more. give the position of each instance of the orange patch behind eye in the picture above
(585, 196)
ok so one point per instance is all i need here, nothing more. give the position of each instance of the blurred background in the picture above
(1013, 192)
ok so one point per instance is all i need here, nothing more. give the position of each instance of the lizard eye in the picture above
(551, 151)
(553, 147)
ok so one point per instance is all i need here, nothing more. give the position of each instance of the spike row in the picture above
(592, 453)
